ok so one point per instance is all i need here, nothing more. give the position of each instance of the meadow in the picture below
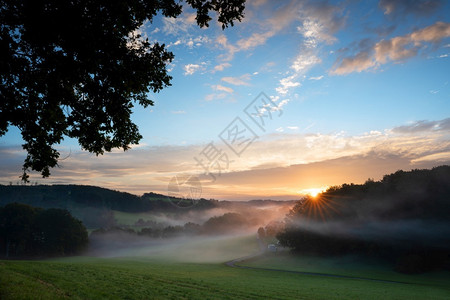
(197, 271)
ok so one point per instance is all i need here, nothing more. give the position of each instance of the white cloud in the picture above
(241, 80)
(286, 84)
(419, 144)
(222, 66)
(316, 77)
(278, 20)
(223, 88)
(191, 69)
(215, 96)
(178, 112)
(178, 26)
(305, 61)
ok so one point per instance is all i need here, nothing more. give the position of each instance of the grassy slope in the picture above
(86, 278)
(161, 276)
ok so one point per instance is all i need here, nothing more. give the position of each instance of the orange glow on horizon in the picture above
(313, 192)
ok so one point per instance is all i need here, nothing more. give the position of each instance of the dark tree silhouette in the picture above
(402, 218)
(16, 229)
(75, 68)
(26, 231)
(60, 233)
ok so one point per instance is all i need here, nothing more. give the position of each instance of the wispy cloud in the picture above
(277, 164)
(180, 25)
(319, 22)
(219, 87)
(241, 80)
(316, 77)
(424, 125)
(278, 20)
(416, 7)
(215, 96)
(221, 67)
(394, 49)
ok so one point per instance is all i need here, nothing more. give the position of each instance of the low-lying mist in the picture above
(403, 218)
(210, 235)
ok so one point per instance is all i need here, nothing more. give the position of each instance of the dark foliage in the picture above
(402, 218)
(26, 231)
(75, 68)
(82, 197)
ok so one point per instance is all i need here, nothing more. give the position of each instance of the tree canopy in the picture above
(77, 68)
(402, 218)
(27, 231)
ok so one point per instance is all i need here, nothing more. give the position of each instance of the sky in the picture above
(299, 96)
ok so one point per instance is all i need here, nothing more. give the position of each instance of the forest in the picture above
(403, 218)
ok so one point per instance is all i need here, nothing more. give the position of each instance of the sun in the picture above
(313, 192)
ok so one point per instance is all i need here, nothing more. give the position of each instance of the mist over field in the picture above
(211, 235)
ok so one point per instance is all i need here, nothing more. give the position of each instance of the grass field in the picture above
(352, 266)
(160, 276)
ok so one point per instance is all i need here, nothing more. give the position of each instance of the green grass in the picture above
(352, 266)
(161, 276)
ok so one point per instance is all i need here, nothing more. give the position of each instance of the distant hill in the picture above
(69, 196)
(76, 196)
(403, 218)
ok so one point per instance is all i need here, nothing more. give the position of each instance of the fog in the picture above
(396, 233)
(223, 233)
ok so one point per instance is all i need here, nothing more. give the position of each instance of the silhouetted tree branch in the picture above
(77, 68)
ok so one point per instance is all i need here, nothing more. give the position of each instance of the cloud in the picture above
(362, 61)
(241, 80)
(256, 39)
(279, 164)
(305, 61)
(190, 42)
(278, 20)
(301, 64)
(320, 20)
(222, 40)
(190, 69)
(286, 84)
(221, 67)
(178, 112)
(416, 7)
(223, 88)
(424, 125)
(316, 77)
(178, 26)
(395, 49)
(215, 96)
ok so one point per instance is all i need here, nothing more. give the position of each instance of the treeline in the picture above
(227, 223)
(402, 218)
(27, 231)
(76, 196)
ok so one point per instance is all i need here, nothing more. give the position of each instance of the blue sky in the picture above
(358, 89)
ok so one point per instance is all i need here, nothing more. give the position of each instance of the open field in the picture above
(160, 276)
(350, 266)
